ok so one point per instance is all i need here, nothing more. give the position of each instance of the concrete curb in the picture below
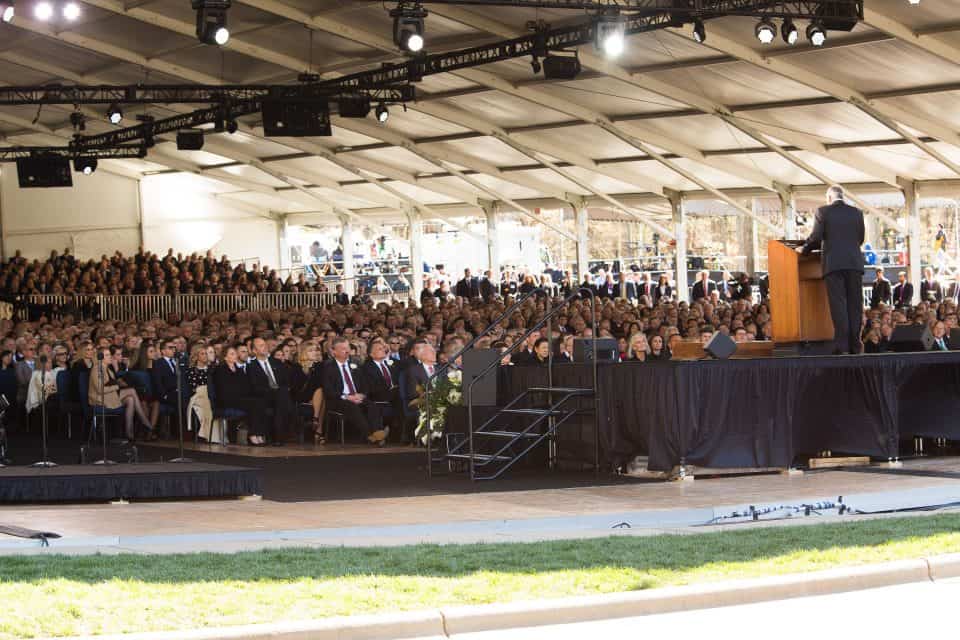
(436, 624)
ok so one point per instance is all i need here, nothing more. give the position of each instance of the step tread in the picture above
(507, 434)
(477, 456)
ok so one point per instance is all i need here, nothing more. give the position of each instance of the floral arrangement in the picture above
(447, 392)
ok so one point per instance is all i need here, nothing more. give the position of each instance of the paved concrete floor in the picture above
(498, 516)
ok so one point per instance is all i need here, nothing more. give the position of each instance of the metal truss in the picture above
(798, 9)
(12, 154)
(188, 94)
(659, 14)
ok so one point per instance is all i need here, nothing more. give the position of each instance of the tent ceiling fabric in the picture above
(719, 112)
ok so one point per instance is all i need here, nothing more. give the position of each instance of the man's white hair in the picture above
(835, 192)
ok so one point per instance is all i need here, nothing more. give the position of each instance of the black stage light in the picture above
(114, 114)
(232, 126)
(7, 12)
(765, 31)
(78, 121)
(296, 119)
(190, 140)
(382, 114)
(789, 31)
(535, 64)
(816, 34)
(212, 21)
(561, 67)
(86, 166)
(354, 106)
(44, 172)
(408, 27)
(699, 31)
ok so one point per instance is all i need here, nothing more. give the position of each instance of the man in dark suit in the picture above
(625, 287)
(725, 287)
(487, 288)
(163, 375)
(270, 381)
(839, 232)
(881, 290)
(930, 289)
(646, 287)
(341, 297)
(381, 375)
(903, 292)
(346, 391)
(703, 287)
(467, 287)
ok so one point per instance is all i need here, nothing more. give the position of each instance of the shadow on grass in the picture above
(649, 554)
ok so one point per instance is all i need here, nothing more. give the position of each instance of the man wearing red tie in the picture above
(382, 378)
(903, 292)
(346, 390)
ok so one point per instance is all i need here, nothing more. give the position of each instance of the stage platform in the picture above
(289, 450)
(145, 481)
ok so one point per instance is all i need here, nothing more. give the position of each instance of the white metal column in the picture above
(416, 254)
(680, 231)
(283, 243)
(788, 204)
(491, 208)
(583, 241)
(346, 242)
(914, 241)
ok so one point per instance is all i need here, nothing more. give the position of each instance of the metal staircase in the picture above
(530, 419)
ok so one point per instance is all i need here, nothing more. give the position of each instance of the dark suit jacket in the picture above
(341, 298)
(377, 385)
(838, 232)
(903, 295)
(260, 383)
(467, 288)
(414, 375)
(230, 388)
(881, 293)
(487, 290)
(333, 387)
(667, 293)
(164, 380)
(931, 291)
(698, 291)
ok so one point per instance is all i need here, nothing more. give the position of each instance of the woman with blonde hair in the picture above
(310, 360)
(104, 389)
(637, 347)
(198, 377)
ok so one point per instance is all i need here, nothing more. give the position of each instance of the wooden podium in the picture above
(799, 308)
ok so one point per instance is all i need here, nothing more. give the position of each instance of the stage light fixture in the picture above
(232, 126)
(610, 34)
(382, 114)
(789, 31)
(535, 64)
(561, 67)
(765, 31)
(408, 27)
(86, 166)
(699, 31)
(190, 140)
(78, 121)
(212, 21)
(7, 12)
(114, 114)
(43, 11)
(816, 34)
(914, 2)
(71, 11)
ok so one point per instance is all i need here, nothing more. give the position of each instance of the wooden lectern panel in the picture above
(799, 308)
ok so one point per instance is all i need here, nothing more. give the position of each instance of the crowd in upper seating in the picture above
(142, 273)
(279, 372)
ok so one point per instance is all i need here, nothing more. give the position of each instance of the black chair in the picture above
(222, 416)
(338, 416)
(67, 400)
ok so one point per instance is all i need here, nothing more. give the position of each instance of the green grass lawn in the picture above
(64, 595)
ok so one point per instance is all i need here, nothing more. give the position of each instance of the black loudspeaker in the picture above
(954, 337)
(908, 337)
(606, 350)
(299, 119)
(721, 346)
(485, 391)
(44, 172)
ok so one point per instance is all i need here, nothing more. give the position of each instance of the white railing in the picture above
(126, 308)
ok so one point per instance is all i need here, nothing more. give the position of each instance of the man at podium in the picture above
(839, 233)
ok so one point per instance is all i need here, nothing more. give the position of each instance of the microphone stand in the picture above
(176, 366)
(45, 462)
(105, 461)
